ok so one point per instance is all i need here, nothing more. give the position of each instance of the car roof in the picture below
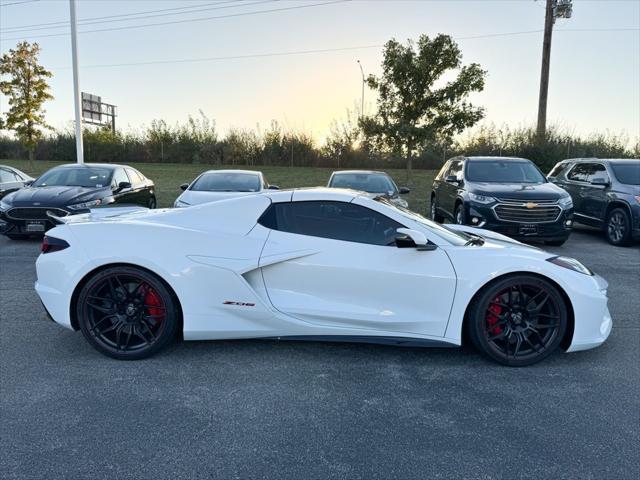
(233, 170)
(359, 172)
(609, 160)
(314, 193)
(87, 165)
(489, 159)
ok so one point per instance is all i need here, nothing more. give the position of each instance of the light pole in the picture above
(362, 96)
(76, 82)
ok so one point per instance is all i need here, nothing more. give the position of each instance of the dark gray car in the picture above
(12, 179)
(605, 193)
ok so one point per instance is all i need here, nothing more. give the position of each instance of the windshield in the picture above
(88, 177)
(227, 182)
(365, 182)
(627, 172)
(453, 237)
(503, 171)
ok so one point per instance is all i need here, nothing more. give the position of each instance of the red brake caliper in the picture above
(492, 317)
(153, 302)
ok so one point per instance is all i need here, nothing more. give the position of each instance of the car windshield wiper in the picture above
(474, 240)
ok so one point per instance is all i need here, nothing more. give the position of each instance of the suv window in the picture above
(445, 168)
(557, 169)
(119, 176)
(598, 171)
(334, 220)
(455, 169)
(582, 171)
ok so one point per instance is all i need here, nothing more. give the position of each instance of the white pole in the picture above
(76, 82)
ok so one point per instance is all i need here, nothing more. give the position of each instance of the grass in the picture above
(169, 176)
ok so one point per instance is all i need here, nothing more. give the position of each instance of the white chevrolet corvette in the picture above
(312, 264)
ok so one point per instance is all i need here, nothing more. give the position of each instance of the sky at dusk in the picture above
(595, 61)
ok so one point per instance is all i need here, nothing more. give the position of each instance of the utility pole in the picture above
(554, 9)
(362, 96)
(76, 82)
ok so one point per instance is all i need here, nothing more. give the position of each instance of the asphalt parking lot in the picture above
(260, 409)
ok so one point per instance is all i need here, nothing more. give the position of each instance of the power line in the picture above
(322, 50)
(137, 16)
(201, 19)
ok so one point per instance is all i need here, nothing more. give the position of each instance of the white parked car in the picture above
(312, 264)
(214, 185)
(374, 184)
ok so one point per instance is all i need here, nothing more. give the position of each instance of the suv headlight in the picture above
(571, 264)
(86, 205)
(481, 198)
(566, 202)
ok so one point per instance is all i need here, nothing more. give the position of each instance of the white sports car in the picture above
(312, 264)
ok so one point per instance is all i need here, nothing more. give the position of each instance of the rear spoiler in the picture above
(95, 214)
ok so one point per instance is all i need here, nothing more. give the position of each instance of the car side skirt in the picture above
(378, 340)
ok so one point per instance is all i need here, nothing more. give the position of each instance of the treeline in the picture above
(197, 141)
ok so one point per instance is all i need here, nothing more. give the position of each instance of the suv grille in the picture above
(34, 213)
(522, 214)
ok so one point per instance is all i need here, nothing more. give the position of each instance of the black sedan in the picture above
(70, 189)
(12, 179)
(507, 195)
(606, 195)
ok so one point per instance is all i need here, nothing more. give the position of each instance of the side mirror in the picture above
(184, 186)
(28, 183)
(452, 179)
(404, 190)
(600, 181)
(123, 186)
(407, 238)
(273, 187)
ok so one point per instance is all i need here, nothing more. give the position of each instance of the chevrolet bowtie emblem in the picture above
(530, 205)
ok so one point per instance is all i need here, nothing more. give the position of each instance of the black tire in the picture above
(152, 203)
(18, 236)
(517, 320)
(127, 313)
(555, 243)
(435, 216)
(618, 227)
(459, 216)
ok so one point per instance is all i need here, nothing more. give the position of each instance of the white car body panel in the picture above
(235, 278)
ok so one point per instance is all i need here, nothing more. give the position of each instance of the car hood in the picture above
(195, 198)
(518, 191)
(55, 196)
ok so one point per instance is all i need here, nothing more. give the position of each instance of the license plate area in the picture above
(35, 225)
(528, 229)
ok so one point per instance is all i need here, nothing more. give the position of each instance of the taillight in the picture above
(52, 244)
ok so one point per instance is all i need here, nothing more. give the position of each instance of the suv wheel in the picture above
(618, 228)
(459, 215)
(435, 216)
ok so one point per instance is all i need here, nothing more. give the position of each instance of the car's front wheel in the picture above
(127, 313)
(459, 214)
(518, 321)
(618, 227)
(435, 216)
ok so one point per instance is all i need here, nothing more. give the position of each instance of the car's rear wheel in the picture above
(152, 203)
(518, 321)
(127, 313)
(618, 227)
(435, 216)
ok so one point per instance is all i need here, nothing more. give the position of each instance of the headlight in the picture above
(179, 203)
(400, 202)
(86, 205)
(481, 198)
(571, 264)
(566, 202)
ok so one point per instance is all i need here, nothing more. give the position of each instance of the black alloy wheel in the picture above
(618, 228)
(127, 313)
(518, 321)
(459, 214)
(435, 216)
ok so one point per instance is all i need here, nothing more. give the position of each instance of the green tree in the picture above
(415, 106)
(27, 90)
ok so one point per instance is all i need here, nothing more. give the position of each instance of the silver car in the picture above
(376, 184)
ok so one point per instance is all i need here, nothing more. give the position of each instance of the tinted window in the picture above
(119, 176)
(627, 173)
(7, 176)
(503, 171)
(557, 169)
(89, 177)
(582, 171)
(335, 220)
(443, 170)
(598, 171)
(134, 176)
(227, 182)
(455, 169)
(365, 182)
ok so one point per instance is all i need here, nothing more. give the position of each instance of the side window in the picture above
(7, 176)
(557, 169)
(442, 173)
(119, 176)
(455, 169)
(598, 171)
(334, 220)
(580, 172)
(134, 178)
